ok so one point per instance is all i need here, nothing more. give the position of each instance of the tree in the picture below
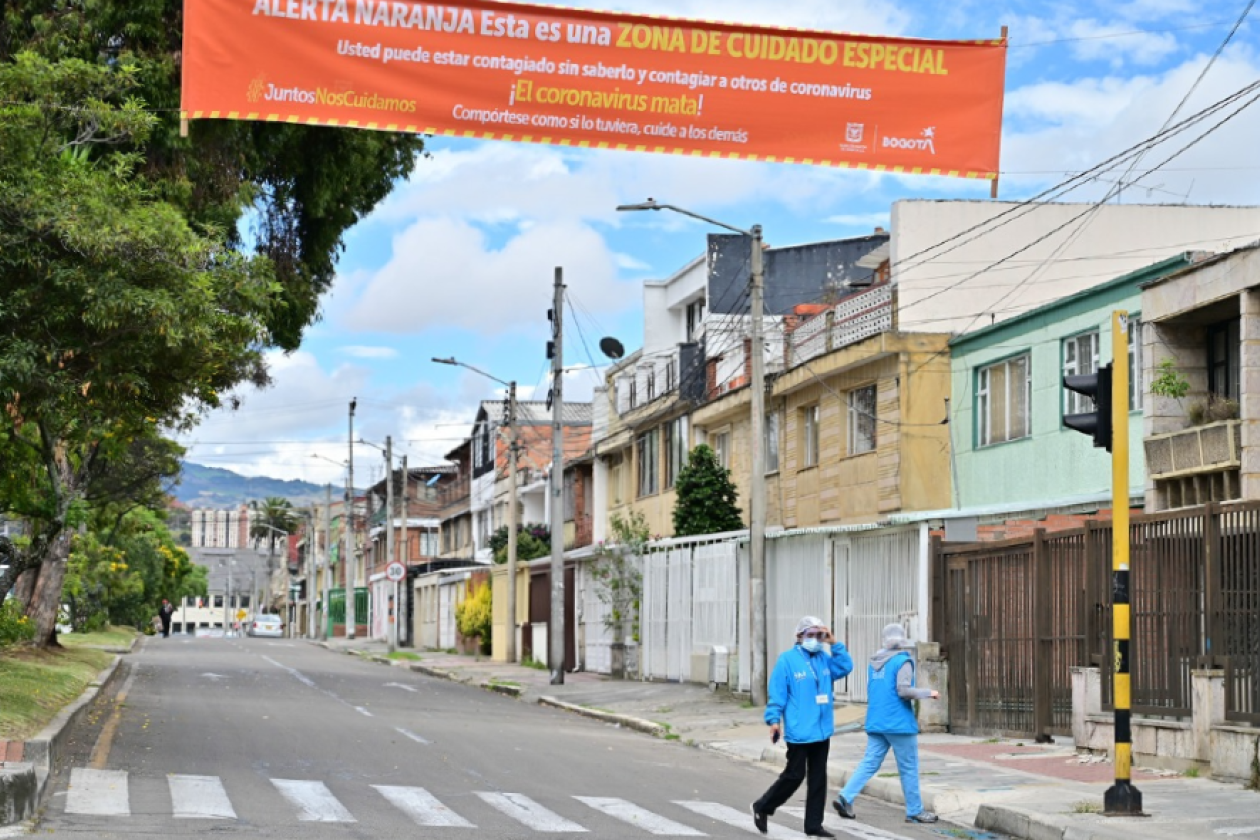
(706, 502)
(618, 574)
(474, 615)
(532, 541)
(118, 317)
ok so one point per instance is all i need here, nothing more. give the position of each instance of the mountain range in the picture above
(211, 487)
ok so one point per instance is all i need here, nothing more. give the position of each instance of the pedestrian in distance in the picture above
(165, 613)
(891, 724)
(800, 709)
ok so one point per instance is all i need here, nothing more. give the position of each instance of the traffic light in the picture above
(1096, 423)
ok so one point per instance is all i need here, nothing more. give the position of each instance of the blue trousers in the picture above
(906, 750)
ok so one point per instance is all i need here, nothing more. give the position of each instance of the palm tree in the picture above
(274, 517)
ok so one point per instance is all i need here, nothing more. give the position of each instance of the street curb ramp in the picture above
(1030, 825)
(23, 785)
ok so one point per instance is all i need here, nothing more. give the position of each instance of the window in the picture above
(676, 448)
(428, 544)
(651, 383)
(1224, 341)
(771, 435)
(649, 462)
(634, 393)
(695, 317)
(218, 602)
(243, 601)
(1080, 358)
(1002, 400)
(721, 444)
(809, 436)
(1135, 364)
(671, 374)
(862, 420)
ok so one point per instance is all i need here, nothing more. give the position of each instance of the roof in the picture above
(536, 413)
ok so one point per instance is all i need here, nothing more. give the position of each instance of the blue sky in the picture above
(459, 260)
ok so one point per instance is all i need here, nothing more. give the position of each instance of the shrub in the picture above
(474, 615)
(532, 541)
(14, 625)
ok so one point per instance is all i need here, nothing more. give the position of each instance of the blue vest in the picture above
(886, 712)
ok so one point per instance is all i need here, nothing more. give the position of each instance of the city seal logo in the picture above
(256, 89)
(853, 132)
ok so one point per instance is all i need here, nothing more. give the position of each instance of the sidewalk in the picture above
(1026, 790)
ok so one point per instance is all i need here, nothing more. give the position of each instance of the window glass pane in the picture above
(1018, 378)
(997, 406)
(772, 442)
(862, 420)
(1135, 364)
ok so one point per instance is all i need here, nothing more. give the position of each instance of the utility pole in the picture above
(312, 546)
(392, 630)
(400, 589)
(351, 571)
(227, 600)
(757, 499)
(510, 647)
(555, 631)
(323, 591)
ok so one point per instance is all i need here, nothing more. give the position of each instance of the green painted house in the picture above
(1011, 451)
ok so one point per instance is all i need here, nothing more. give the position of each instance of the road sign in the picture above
(395, 572)
(240, 615)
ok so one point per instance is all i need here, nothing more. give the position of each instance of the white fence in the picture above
(695, 601)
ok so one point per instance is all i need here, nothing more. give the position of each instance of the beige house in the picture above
(1205, 320)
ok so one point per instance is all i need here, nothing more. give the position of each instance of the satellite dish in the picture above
(611, 347)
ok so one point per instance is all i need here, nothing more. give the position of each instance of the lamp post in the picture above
(757, 409)
(509, 648)
(388, 451)
(271, 551)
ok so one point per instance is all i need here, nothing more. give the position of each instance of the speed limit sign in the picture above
(395, 572)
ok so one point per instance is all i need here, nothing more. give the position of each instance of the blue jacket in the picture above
(886, 711)
(795, 684)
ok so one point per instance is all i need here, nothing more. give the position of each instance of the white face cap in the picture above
(808, 622)
(894, 636)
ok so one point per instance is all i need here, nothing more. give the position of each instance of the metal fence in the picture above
(1016, 616)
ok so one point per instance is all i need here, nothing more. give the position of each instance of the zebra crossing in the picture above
(109, 794)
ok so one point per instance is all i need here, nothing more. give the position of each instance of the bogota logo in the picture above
(256, 88)
(925, 142)
(853, 132)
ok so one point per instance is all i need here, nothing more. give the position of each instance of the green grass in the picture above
(1191, 773)
(35, 685)
(531, 662)
(403, 654)
(508, 683)
(670, 736)
(113, 637)
(1087, 806)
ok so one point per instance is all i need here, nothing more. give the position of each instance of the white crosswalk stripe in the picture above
(529, 813)
(422, 806)
(199, 797)
(853, 829)
(640, 817)
(314, 801)
(98, 792)
(735, 817)
(106, 793)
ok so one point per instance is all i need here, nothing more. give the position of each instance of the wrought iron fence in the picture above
(1016, 616)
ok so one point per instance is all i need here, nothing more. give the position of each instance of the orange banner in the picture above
(541, 74)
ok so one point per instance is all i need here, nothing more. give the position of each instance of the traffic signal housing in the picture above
(1096, 423)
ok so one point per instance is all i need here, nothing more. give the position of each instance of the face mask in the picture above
(811, 644)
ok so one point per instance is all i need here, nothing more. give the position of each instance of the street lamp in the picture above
(757, 496)
(509, 648)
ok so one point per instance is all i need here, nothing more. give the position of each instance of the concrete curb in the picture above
(44, 752)
(639, 724)
(1031, 825)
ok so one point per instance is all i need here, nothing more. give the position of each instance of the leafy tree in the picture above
(618, 574)
(532, 541)
(707, 497)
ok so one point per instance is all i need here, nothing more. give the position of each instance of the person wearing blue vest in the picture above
(890, 723)
(800, 709)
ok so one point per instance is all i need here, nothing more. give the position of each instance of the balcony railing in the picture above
(853, 319)
(1196, 465)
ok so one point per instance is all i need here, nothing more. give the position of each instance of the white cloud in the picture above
(1118, 42)
(445, 273)
(359, 351)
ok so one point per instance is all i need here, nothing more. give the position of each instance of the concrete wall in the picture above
(1105, 242)
(1206, 742)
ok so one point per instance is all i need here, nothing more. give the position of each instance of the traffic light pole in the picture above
(1122, 798)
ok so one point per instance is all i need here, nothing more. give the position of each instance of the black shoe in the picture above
(844, 808)
(923, 817)
(821, 832)
(759, 819)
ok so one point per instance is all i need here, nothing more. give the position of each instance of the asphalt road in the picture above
(282, 739)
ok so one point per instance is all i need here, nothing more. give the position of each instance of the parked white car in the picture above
(265, 625)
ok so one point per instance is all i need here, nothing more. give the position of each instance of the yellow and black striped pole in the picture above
(1122, 798)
